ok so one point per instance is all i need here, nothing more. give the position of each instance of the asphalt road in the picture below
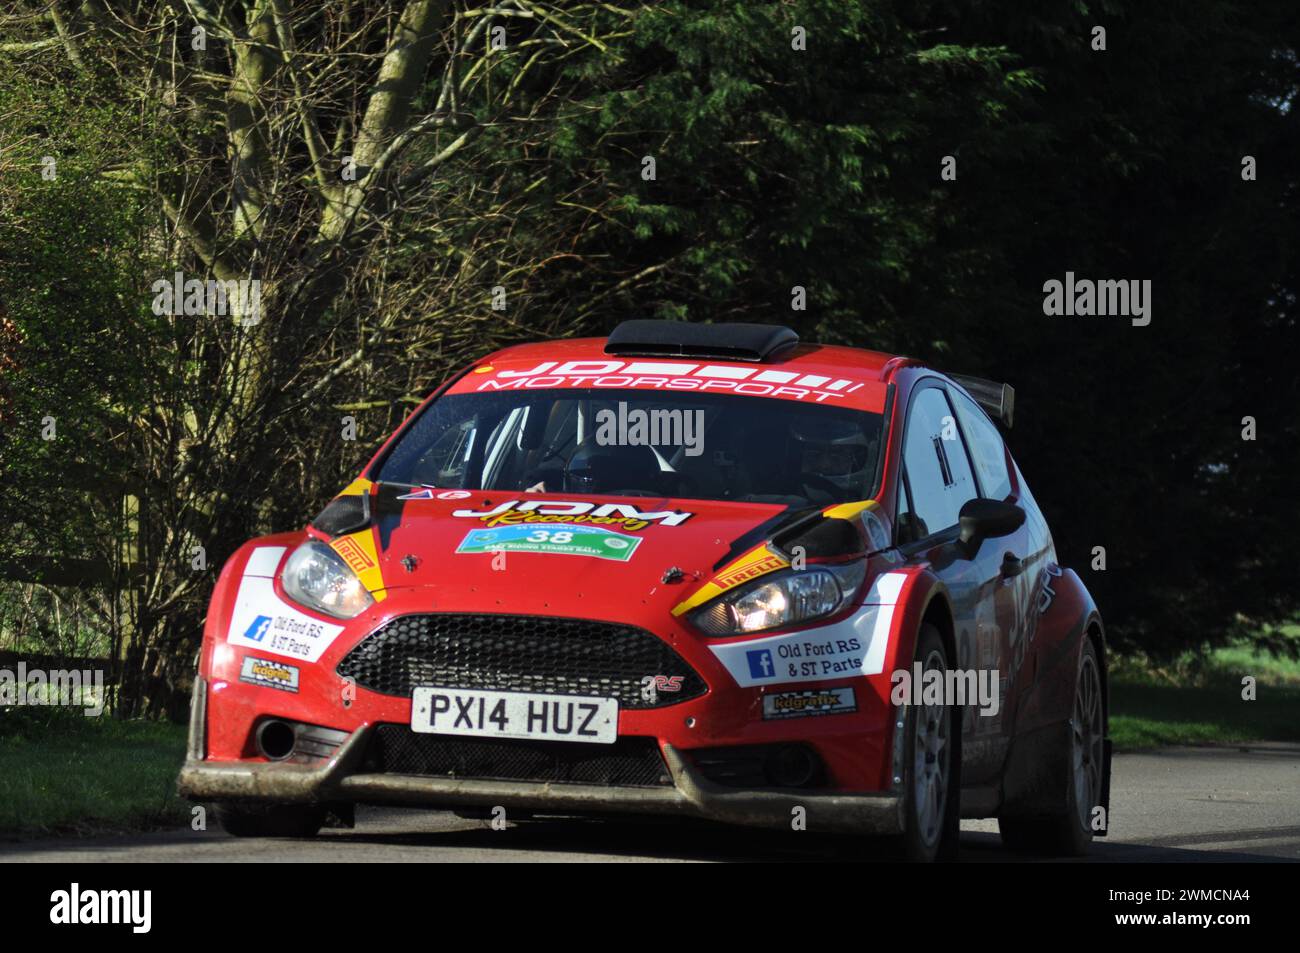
(1176, 805)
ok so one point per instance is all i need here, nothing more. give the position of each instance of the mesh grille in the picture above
(519, 653)
(629, 762)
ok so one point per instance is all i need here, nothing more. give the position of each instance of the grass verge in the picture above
(1199, 700)
(64, 773)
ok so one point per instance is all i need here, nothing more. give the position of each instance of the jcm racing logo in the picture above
(662, 375)
(623, 515)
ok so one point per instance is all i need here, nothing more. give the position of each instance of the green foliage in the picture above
(82, 344)
(778, 167)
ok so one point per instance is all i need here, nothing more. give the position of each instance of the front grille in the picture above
(522, 654)
(628, 762)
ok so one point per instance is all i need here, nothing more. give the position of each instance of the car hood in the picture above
(616, 557)
(622, 544)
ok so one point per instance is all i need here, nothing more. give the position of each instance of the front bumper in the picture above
(341, 780)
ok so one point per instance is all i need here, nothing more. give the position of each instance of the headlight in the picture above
(318, 577)
(790, 598)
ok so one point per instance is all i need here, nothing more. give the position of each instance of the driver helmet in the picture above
(832, 448)
(607, 468)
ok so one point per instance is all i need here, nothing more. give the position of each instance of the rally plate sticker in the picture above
(564, 539)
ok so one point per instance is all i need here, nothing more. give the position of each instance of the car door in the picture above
(938, 478)
(1019, 561)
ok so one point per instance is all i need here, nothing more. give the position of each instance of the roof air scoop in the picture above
(732, 342)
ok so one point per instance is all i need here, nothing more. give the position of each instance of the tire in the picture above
(1070, 834)
(270, 820)
(931, 767)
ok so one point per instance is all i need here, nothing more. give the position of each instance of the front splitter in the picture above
(341, 780)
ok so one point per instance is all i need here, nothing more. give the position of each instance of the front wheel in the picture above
(1070, 833)
(270, 820)
(930, 765)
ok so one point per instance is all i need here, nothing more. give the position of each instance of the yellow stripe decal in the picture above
(760, 561)
(357, 487)
(846, 511)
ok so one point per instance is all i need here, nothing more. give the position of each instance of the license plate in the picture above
(456, 711)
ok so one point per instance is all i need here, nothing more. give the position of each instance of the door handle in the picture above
(1011, 565)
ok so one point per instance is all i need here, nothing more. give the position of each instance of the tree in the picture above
(297, 146)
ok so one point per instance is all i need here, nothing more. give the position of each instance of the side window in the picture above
(446, 462)
(938, 472)
(986, 447)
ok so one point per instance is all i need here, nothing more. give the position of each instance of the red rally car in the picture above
(694, 570)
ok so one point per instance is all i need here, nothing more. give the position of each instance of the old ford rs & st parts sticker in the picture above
(262, 620)
(559, 538)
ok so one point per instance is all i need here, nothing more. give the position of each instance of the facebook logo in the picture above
(760, 663)
(257, 631)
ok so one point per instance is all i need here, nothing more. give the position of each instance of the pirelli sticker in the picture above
(268, 674)
(824, 701)
(354, 555)
(358, 551)
(764, 564)
(759, 561)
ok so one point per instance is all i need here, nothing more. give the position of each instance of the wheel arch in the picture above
(1035, 771)
(1096, 634)
(924, 599)
(938, 612)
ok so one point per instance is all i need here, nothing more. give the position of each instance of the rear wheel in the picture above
(1070, 833)
(929, 758)
(270, 820)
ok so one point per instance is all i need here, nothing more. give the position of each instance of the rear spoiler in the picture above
(998, 400)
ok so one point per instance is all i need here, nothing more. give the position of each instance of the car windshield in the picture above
(632, 443)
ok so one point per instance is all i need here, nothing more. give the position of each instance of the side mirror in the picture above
(982, 519)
